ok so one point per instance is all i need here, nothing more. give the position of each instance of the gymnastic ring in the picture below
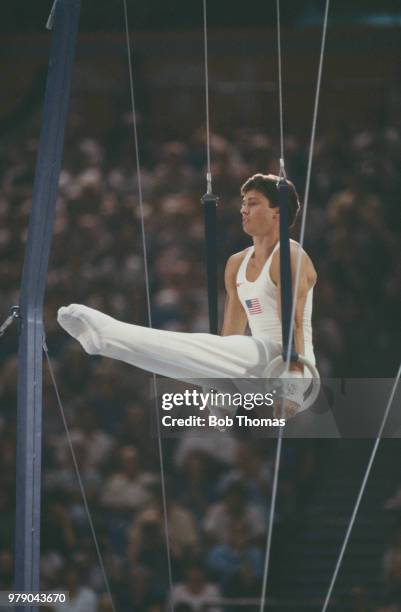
(312, 391)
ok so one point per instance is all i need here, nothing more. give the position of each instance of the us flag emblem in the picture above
(254, 306)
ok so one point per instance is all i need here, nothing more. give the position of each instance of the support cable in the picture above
(147, 287)
(298, 269)
(210, 201)
(280, 93)
(205, 47)
(361, 491)
(78, 473)
(309, 171)
(14, 314)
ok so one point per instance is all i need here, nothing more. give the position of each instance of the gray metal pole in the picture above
(65, 20)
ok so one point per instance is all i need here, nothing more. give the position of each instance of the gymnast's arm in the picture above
(235, 319)
(306, 280)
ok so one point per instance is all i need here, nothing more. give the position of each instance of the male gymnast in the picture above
(252, 280)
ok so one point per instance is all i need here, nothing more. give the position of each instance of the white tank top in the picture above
(258, 299)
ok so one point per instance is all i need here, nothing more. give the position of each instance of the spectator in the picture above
(81, 598)
(195, 486)
(196, 591)
(182, 531)
(141, 591)
(237, 564)
(128, 487)
(234, 505)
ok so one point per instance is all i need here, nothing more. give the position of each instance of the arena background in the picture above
(353, 236)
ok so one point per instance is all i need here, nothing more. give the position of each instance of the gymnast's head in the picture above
(260, 206)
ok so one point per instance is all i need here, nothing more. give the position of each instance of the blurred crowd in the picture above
(352, 230)
(218, 491)
(391, 572)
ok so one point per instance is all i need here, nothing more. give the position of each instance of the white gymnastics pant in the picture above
(178, 355)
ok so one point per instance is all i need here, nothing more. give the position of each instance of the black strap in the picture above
(285, 271)
(209, 202)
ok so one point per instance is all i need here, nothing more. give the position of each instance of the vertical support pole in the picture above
(29, 418)
(209, 202)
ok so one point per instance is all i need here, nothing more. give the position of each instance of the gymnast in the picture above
(253, 294)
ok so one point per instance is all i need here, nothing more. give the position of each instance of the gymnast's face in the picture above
(258, 219)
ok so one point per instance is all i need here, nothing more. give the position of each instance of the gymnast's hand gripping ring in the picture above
(273, 370)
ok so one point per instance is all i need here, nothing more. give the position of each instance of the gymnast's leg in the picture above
(173, 354)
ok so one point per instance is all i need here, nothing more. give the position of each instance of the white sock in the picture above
(84, 324)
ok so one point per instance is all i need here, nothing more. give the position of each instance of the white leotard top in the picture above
(258, 299)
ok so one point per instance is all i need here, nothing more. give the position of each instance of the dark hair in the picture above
(267, 184)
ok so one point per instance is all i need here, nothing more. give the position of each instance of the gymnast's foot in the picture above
(85, 325)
